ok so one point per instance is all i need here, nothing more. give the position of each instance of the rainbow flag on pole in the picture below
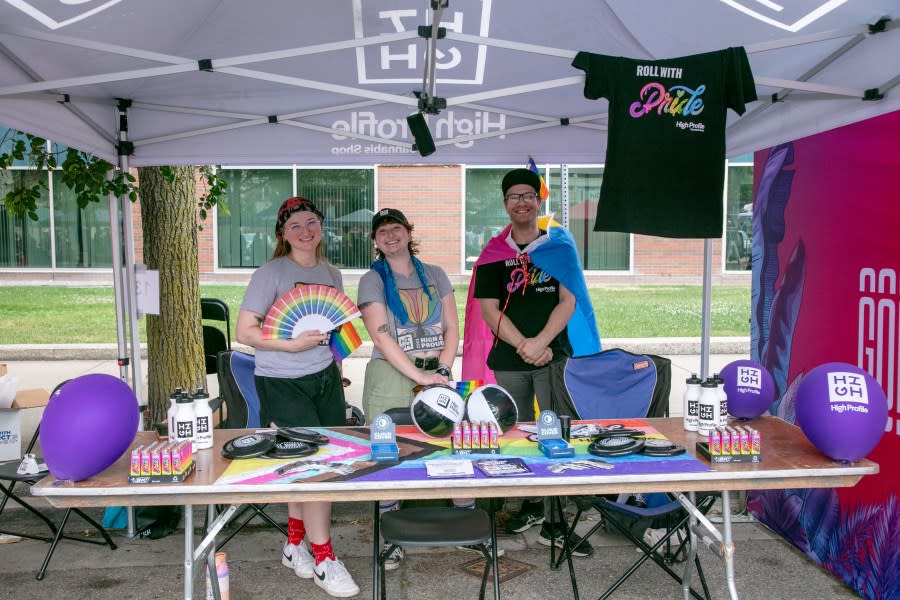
(344, 341)
(531, 166)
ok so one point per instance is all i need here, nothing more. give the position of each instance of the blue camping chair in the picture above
(236, 384)
(616, 384)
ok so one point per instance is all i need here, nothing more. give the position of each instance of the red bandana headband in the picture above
(289, 207)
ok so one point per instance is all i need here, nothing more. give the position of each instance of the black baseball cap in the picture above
(517, 176)
(389, 214)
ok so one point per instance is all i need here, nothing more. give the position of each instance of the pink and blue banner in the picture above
(826, 287)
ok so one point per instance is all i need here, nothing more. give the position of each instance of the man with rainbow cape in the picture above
(557, 255)
(528, 284)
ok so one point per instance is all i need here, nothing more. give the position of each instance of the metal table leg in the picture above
(188, 552)
(720, 543)
(728, 549)
(494, 549)
(376, 548)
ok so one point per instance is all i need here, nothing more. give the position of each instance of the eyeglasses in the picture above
(527, 197)
(311, 224)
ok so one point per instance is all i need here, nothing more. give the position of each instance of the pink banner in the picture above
(826, 265)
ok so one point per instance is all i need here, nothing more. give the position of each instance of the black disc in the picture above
(657, 444)
(248, 446)
(301, 434)
(615, 446)
(291, 449)
(662, 448)
(618, 431)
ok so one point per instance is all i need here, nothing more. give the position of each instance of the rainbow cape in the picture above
(558, 256)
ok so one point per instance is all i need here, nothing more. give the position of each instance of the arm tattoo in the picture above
(383, 328)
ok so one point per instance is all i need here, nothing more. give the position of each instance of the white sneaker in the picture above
(297, 557)
(652, 536)
(332, 576)
(393, 559)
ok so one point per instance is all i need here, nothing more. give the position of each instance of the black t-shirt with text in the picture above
(665, 156)
(532, 295)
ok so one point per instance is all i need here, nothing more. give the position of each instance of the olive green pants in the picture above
(385, 387)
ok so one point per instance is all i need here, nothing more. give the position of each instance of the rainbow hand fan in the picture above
(305, 308)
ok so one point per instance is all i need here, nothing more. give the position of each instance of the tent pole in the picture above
(130, 289)
(706, 309)
(125, 288)
(115, 233)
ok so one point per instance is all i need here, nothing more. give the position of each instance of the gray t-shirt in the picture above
(267, 284)
(424, 329)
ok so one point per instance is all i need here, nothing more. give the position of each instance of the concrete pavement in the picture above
(766, 567)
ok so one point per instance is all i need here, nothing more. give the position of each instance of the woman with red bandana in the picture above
(298, 381)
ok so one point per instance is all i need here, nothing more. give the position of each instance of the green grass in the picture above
(69, 315)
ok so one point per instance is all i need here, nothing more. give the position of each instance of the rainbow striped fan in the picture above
(305, 308)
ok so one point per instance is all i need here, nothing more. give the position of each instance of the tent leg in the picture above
(705, 322)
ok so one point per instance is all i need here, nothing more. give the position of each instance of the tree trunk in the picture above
(174, 337)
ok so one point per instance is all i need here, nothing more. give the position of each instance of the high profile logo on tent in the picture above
(793, 18)
(54, 14)
(404, 61)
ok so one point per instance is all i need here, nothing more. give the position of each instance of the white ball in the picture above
(436, 409)
(492, 404)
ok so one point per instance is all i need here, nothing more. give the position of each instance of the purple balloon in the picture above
(750, 388)
(842, 410)
(90, 421)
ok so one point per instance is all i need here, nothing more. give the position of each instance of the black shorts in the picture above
(308, 401)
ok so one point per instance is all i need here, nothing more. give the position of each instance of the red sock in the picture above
(322, 551)
(296, 531)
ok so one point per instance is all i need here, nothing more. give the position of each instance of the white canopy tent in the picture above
(330, 83)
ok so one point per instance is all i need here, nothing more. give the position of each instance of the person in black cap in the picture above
(527, 310)
(409, 310)
(298, 381)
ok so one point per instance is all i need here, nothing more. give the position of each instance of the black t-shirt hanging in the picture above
(665, 156)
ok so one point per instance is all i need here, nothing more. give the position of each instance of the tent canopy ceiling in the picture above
(330, 83)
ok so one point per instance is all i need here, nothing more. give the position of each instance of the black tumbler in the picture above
(565, 426)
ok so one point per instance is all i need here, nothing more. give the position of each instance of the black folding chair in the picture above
(216, 338)
(236, 385)
(10, 477)
(434, 526)
(438, 526)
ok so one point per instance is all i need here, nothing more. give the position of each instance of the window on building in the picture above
(83, 239)
(23, 242)
(81, 236)
(346, 197)
(738, 216)
(599, 250)
(486, 217)
(246, 236)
